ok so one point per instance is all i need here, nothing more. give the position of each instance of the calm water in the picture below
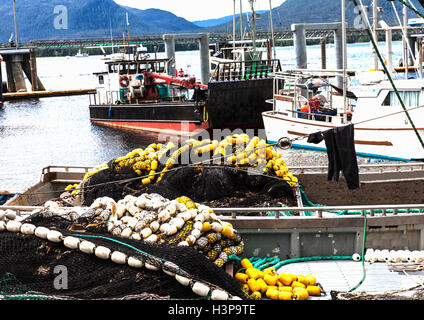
(57, 131)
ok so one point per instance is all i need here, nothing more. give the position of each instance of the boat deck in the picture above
(343, 275)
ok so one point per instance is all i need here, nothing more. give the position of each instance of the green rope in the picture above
(412, 8)
(362, 255)
(388, 75)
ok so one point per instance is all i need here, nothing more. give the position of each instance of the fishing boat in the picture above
(309, 103)
(386, 110)
(145, 94)
(138, 94)
(387, 195)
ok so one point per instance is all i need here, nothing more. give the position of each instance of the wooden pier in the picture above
(45, 94)
(20, 61)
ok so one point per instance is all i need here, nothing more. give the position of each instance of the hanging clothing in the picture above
(341, 153)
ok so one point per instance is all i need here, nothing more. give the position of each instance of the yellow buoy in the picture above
(242, 277)
(245, 263)
(300, 293)
(313, 290)
(285, 295)
(272, 293)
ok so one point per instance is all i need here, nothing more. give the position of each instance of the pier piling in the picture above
(20, 62)
(203, 47)
(299, 37)
(1, 83)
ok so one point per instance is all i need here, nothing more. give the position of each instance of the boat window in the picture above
(133, 68)
(161, 66)
(101, 80)
(141, 67)
(151, 67)
(409, 98)
(123, 68)
(113, 68)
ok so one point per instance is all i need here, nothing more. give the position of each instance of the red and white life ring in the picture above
(124, 81)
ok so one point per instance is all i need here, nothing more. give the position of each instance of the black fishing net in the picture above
(221, 186)
(237, 171)
(30, 265)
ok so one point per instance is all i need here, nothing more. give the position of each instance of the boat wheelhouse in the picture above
(137, 94)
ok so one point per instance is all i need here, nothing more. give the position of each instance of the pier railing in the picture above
(244, 70)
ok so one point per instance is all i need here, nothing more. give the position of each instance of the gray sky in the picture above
(199, 9)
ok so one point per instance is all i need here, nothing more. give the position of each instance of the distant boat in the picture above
(81, 55)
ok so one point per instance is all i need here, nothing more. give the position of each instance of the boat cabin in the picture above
(311, 95)
(122, 80)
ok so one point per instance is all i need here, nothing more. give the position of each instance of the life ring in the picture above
(124, 81)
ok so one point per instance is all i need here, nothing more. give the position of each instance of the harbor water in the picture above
(57, 131)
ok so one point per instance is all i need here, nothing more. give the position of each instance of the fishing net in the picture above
(237, 171)
(129, 240)
(33, 266)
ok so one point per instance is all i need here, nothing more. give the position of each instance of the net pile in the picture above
(236, 171)
(138, 248)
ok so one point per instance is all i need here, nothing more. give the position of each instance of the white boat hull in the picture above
(392, 143)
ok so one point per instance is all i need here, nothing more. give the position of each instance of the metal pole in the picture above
(241, 20)
(374, 29)
(16, 24)
(252, 5)
(128, 35)
(1, 84)
(234, 25)
(344, 57)
(420, 57)
(404, 42)
(272, 30)
(389, 49)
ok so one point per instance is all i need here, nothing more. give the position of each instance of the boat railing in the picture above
(102, 97)
(365, 168)
(324, 211)
(245, 70)
(319, 116)
(48, 171)
(280, 213)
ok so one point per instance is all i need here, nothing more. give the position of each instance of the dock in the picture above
(45, 94)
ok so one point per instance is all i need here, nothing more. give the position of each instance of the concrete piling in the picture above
(299, 38)
(203, 38)
(19, 62)
(169, 40)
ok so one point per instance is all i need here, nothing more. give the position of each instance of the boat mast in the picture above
(128, 36)
(16, 24)
(234, 26)
(345, 105)
(241, 20)
(272, 29)
(404, 42)
(374, 30)
(252, 6)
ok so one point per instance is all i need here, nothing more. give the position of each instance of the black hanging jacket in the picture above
(341, 154)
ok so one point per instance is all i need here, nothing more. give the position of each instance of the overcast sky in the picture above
(193, 10)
